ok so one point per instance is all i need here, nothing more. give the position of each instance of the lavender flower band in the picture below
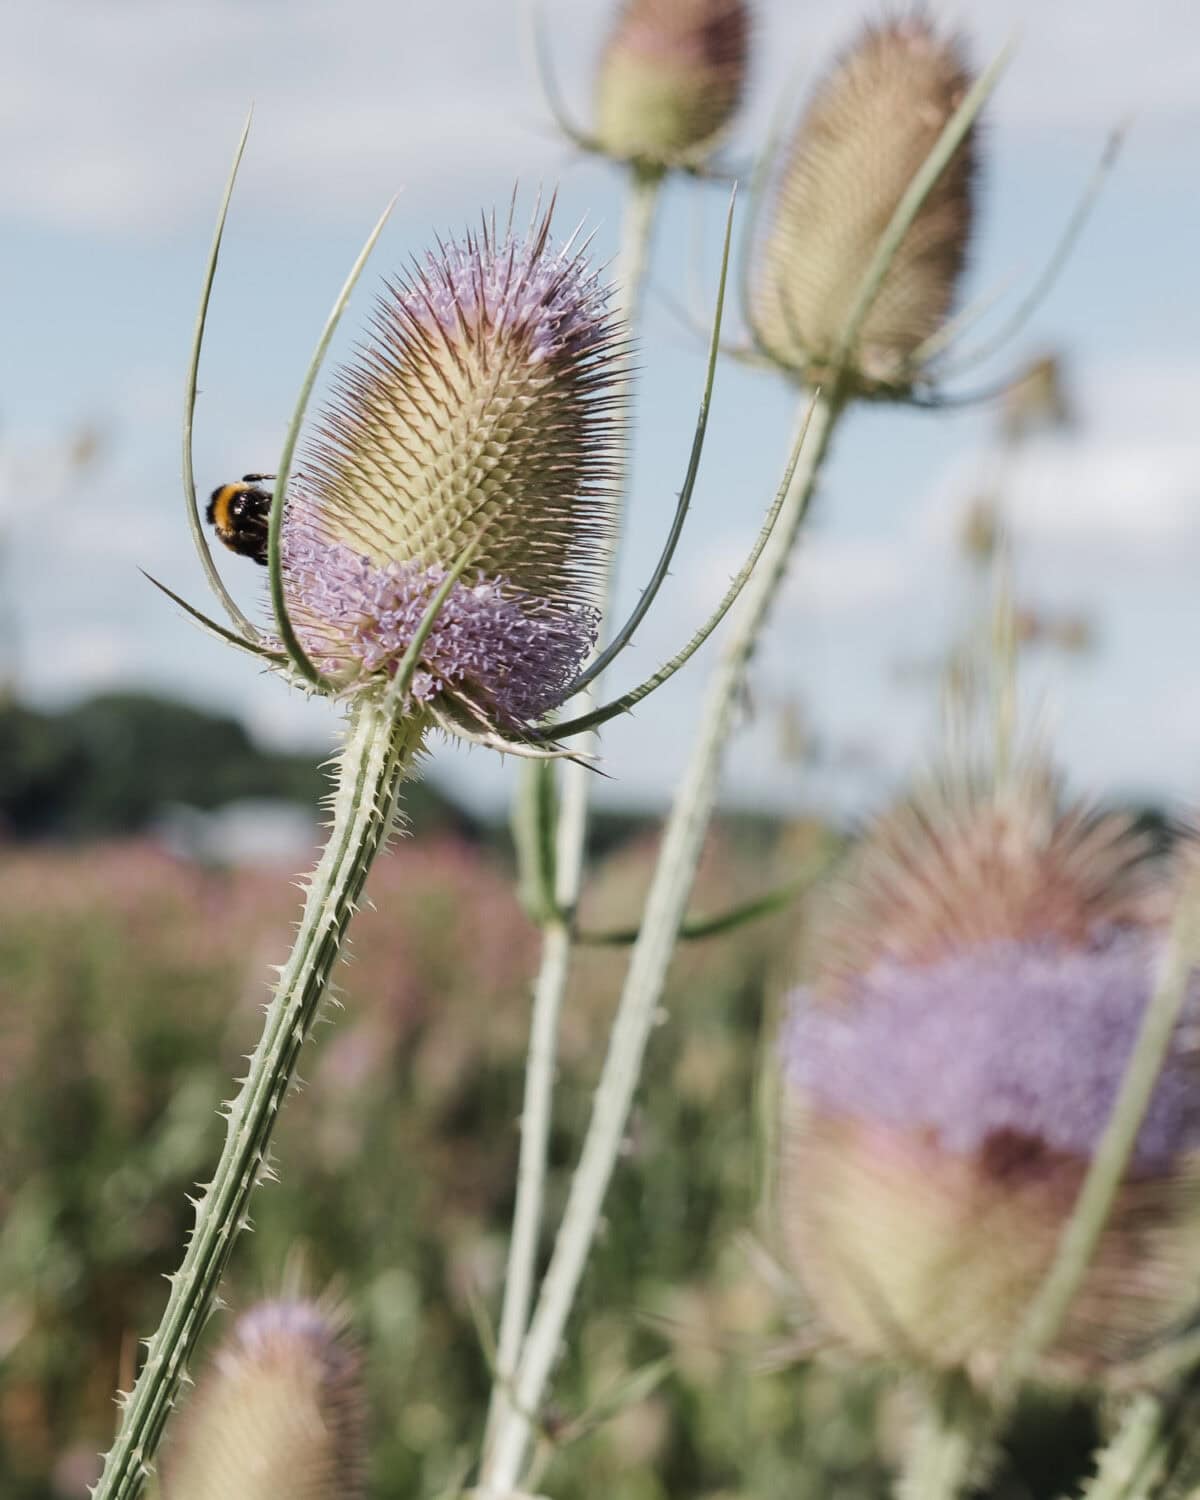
(1031, 1037)
(503, 646)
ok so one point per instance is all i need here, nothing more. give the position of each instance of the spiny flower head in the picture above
(671, 78)
(978, 988)
(280, 1411)
(488, 406)
(867, 132)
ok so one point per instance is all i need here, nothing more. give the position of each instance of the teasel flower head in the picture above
(671, 79)
(279, 1411)
(978, 982)
(869, 128)
(486, 408)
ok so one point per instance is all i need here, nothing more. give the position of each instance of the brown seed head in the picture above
(872, 124)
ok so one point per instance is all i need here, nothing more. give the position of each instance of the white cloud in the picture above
(1110, 493)
(1129, 476)
(114, 115)
(115, 112)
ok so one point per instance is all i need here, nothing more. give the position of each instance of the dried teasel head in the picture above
(977, 990)
(868, 130)
(279, 1411)
(489, 404)
(671, 78)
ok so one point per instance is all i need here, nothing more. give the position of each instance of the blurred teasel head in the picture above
(671, 79)
(488, 407)
(279, 1411)
(870, 127)
(978, 979)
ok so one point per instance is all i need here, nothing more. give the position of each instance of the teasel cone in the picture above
(488, 406)
(280, 1411)
(671, 78)
(869, 128)
(977, 986)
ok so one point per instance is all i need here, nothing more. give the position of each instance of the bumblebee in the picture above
(240, 514)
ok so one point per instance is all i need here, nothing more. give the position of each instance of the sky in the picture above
(116, 127)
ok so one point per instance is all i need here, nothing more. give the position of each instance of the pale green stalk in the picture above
(372, 765)
(1132, 1466)
(683, 840)
(570, 849)
(941, 1453)
(664, 912)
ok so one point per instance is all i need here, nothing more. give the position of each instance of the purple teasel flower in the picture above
(488, 405)
(980, 976)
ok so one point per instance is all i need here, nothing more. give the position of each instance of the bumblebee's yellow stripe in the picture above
(221, 502)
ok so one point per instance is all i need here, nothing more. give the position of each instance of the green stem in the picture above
(1133, 1464)
(371, 767)
(664, 912)
(941, 1454)
(570, 848)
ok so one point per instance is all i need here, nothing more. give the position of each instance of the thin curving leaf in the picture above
(246, 630)
(287, 634)
(967, 317)
(981, 395)
(491, 739)
(627, 700)
(534, 31)
(1053, 268)
(742, 354)
(623, 636)
(231, 638)
(693, 928)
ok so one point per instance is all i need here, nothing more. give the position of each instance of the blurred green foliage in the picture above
(130, 988)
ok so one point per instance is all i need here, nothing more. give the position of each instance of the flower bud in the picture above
(950, 1071)
(280, 1411)
(489, 404)
(866, 134)
(671, 78)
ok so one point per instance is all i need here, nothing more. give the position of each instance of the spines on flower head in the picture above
(977, 989)
(280, 1411)
(671, 78)
(488, 406)
(872, 124)
(964, 861)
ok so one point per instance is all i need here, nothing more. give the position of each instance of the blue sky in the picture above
(117, 124)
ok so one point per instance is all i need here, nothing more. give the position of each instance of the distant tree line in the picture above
(110, 764)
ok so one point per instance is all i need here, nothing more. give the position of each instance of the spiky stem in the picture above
(377, 752)
(1131, 1467)
(942, 1446)
(666, 904)
(570, 848)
